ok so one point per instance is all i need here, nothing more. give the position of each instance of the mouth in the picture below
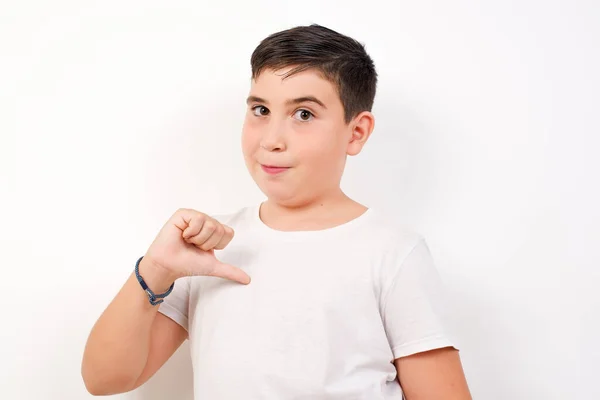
(273, 169)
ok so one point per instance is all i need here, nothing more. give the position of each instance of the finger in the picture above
(214, 239)
(226, 238)
(207, 230)
(230, 272)
(194, 226)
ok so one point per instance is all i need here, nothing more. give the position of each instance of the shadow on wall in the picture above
(173, 381)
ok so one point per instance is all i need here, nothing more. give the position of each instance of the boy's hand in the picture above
(185, 247)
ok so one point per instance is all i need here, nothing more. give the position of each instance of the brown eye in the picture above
(260, 111)
(303, 115)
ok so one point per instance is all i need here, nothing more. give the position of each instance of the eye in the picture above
(303, 115)
(260, 111)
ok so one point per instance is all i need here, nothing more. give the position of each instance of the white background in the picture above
(114, 114)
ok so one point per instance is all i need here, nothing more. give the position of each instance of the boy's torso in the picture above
(308, 326)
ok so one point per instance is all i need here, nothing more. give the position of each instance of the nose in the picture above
(273, 138)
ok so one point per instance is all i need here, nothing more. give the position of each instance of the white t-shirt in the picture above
(324, 317)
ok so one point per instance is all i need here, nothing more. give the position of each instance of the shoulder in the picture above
(391, 236)
(398, 251)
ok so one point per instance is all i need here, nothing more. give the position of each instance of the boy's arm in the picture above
(130, 340)
(433, 375)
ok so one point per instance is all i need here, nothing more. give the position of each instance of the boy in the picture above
(315, 297)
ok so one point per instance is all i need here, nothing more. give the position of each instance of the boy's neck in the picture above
(322, 213)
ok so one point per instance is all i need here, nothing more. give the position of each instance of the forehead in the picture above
(275, 86)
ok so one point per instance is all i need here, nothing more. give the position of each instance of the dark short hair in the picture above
(340, 59)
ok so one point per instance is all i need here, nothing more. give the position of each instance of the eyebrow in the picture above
(298, 100)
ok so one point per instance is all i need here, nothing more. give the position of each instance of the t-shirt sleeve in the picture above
(413, 305)
(176, 304)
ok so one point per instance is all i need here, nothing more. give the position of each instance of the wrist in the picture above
(158, 278)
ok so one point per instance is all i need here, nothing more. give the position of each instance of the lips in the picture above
(273, 169)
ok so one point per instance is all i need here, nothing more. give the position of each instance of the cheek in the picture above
(321, 153)
(250, 140)
(328, 144)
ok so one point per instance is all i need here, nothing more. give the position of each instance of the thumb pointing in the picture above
(230, 272)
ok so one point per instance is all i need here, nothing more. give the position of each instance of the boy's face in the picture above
(295, 139)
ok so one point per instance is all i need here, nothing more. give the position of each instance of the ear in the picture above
(362, 125)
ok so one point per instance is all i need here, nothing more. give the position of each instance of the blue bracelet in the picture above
(151, 296)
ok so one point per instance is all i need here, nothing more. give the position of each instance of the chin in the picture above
(278, 194)
(277, 191)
